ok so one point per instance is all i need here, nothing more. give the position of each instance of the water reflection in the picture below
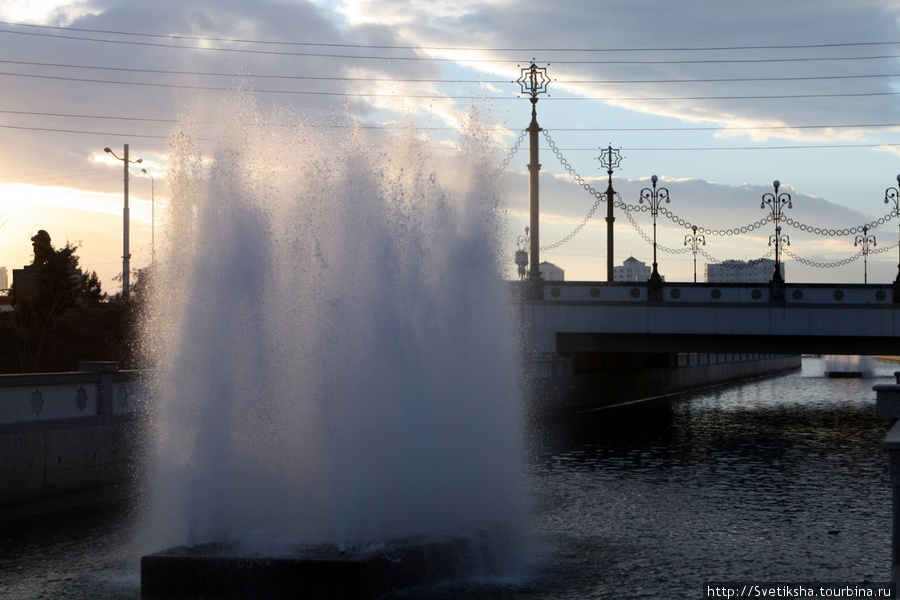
(781, 479)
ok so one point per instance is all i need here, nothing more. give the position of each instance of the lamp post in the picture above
(610, 158)
(126, 254)
(654, 198)
(777, 203)
(533, 82)
(893, 194)
(864, 240)
(694, 240)
(778, 241)
(522, 254)
(152, 216)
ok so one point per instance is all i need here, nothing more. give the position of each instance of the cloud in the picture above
(632, 55)
(659, 78)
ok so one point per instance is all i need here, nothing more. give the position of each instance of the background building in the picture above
(550, 272)
(633, 270)
(740, 271)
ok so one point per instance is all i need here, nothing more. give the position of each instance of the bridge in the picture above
(566, 318)
(68, 439)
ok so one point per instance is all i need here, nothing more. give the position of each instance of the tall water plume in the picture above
(335, 354)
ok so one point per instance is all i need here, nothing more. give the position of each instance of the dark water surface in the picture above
(777, 480)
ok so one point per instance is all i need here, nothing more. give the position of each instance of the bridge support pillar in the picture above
(655, 288)
(106, 369)
(888, 407)
(776, 290)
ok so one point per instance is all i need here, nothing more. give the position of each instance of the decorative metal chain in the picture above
(838, 232)
(734, 231)
(512, 152)
(822, 265)
(630, 208)
(837, 263)
(649, 240)
(575, 231)
(600, 197)
(884, 249)
(740, 265)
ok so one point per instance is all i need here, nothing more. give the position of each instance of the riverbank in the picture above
(890, 359)
(598, 380)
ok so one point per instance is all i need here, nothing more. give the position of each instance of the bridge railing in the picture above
(98, 389)
(68, 439)
(720, 293)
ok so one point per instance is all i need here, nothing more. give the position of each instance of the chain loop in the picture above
(512, 152)
(837, 263)
(600, 197)
(721, 232)
(839, 232)
(574, 231)
(736, 265)
(628, 209)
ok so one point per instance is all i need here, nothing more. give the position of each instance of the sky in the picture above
(719, 99)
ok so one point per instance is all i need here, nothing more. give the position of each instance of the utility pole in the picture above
(126, 254)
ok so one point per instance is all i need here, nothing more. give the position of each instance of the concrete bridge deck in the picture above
(571, 317)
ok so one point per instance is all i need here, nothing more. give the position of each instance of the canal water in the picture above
(775, 480)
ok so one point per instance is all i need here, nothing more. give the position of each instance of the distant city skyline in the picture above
(741, 271)
(718, 107)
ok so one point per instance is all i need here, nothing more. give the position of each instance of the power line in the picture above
(718, 128)
(449, 81)
(429, 128)
(256, 91)
(437, 96)
(709, 148)
(713, 148)
(103, 117)
(175, 121)
(253, 76)
(461, 48)
(468, 60)
(75, 131)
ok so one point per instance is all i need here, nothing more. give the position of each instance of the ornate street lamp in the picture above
(152, 216)
(777, 203)
(864, 240)
(610, 159)
(533, 82)
(654, 198)
(893, 194)
(694, 240)
(778, 241)
(126, 253)
(522, 254)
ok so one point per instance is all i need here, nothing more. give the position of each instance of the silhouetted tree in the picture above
(130, 317)
(57, 284)
(91, 292)
(53, 288)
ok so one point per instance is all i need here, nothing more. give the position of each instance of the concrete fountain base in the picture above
(218, 571)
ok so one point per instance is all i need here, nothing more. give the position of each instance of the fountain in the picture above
(338, 384)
